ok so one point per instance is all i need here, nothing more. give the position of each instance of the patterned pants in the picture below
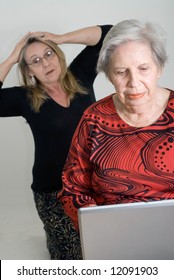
(63, 241)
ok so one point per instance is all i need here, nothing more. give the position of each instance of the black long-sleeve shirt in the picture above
(54, 125)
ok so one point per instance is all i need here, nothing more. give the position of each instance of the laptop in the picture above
(132, 231)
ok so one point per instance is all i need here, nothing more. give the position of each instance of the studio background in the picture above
(21, 234)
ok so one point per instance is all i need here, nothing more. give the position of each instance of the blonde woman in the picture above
(52, 99)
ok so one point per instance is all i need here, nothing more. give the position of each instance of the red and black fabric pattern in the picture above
(111, 162)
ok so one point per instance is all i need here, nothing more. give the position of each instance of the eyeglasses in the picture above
(38, 61)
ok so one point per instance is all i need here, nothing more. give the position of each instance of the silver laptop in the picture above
(133, 231)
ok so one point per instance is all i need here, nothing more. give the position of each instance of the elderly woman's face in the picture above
(134, 74)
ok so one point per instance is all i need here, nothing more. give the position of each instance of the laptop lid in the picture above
(143, 230)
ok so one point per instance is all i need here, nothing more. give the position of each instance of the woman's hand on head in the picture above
(17, 50)
(13, 58)
(57, 39)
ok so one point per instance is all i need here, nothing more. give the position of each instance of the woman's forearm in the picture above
(7, 64)
(5, 68)
(86, 36)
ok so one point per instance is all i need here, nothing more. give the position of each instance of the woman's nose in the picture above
(45, 61)
(133, 79)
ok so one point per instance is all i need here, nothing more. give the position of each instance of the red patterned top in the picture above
(112, 162)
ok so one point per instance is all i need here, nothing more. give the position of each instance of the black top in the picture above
(54, 126)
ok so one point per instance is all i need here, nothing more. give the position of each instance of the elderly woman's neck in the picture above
(141, 116)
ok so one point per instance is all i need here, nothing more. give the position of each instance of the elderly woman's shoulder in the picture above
(103, 105)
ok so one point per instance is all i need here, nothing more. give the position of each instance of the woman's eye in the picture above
(36, 61)
(121, 73)
(48, 53)
(144, 68)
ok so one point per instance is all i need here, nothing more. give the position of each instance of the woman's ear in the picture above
(110, 75)
(30, 75)
(160, 71)
(110, 78)
(32, 79)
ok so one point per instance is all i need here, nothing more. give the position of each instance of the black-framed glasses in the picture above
(38, 61)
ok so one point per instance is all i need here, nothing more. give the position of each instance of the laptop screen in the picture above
(143, 230)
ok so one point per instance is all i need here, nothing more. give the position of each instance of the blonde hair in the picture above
(35, 88)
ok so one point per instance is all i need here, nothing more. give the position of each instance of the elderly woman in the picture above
(122, 150)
